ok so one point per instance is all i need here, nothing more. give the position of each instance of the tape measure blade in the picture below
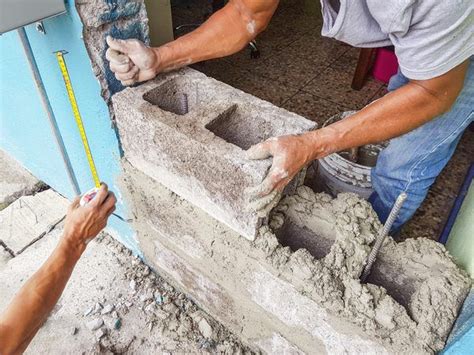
(77, 117)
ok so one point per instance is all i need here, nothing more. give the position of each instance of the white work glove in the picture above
(131, 60)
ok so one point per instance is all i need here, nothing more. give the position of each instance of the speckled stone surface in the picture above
(190, 132)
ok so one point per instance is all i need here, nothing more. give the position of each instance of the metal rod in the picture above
(47, 107)
(382, 234)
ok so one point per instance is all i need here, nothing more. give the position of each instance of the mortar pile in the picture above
(414, 292)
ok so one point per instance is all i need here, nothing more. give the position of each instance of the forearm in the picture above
(35, 300)
(393, 115)
(224, 33)
(396, 113)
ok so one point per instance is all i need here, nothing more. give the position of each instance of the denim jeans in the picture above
(412, 161)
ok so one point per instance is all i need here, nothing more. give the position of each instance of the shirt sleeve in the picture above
(432, 37)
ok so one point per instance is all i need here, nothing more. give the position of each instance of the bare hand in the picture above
(290, 154)
(84, 222)
(131, 60)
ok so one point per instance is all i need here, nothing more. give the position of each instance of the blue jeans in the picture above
(412, 162)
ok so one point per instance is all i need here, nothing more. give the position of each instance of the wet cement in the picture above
(415, 289)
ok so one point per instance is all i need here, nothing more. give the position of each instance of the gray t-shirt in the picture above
(430, 36)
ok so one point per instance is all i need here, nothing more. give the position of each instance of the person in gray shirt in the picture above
(429, 104)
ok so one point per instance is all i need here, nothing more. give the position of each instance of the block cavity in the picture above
(190, 133)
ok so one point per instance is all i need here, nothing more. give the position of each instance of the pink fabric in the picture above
(385, 65)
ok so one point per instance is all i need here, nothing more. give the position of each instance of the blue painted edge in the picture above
(461, 339)
(443, 239)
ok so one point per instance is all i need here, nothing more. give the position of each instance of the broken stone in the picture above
(97, 308)
(100, 333)
(74, 331)
(147, 296)
(204, 328)
(170, 308)
(88, 311)
(107, 309)
(95, 324)
(133, 285)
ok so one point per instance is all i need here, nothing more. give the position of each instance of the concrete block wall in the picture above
(274, 298)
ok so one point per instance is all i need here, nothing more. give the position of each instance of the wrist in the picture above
(320, 143)
(71, 245)
(164, 59)
(158, 52)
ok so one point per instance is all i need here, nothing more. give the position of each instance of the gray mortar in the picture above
(418, 273)
(262, 288)
(200, 154)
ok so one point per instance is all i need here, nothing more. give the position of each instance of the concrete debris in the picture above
(205, 328)
(74, 330)
(107, 309)
(97, 308)
(100, 333)
(94, 324)
(88, 311)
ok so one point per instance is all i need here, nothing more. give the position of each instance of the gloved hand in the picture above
(131, 60)
(290, 154)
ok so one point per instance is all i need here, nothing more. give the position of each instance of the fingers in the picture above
(120, 67)
(116, 57)
(129, 82)
(131, 74)
(268, 193)
(119, 45)
(109, 204)
(100, 196)
(260, 151)
(266, 202)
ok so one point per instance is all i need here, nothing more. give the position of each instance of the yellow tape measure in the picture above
(77, 115)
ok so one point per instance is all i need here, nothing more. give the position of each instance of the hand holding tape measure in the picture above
(92, 193)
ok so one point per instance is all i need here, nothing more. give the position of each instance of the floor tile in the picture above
(220, 69)
(313, 107)
(266, 89)
(298, 63)
(334, 84)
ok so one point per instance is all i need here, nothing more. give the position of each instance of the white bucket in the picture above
(336, 173)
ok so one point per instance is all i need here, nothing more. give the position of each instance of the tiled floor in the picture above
(305, 73)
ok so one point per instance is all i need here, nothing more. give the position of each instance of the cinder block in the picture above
(190, 133)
